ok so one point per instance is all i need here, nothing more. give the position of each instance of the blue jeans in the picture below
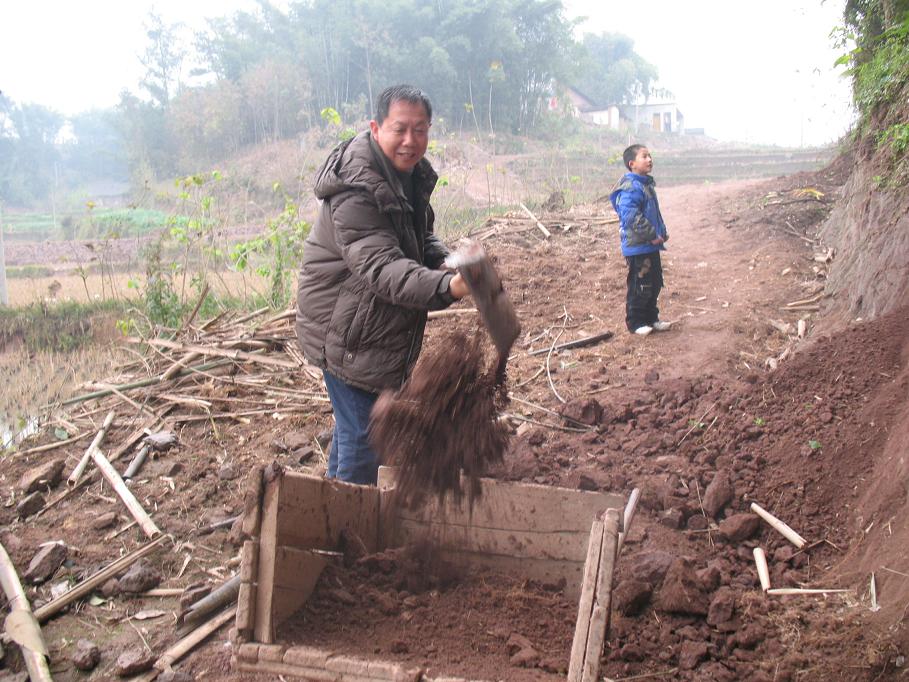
(351, 458)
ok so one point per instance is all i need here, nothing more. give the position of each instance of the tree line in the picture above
(490, 66)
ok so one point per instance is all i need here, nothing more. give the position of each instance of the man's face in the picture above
(643, 163)
(404, 134)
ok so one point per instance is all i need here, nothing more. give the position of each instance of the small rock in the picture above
(228, 472)
(651, 567)
(681, 592)
(105, 520)
(46, 562)
(651, 377)
(696, 522)
(517, 642)
(631, 652)
(303, 455)
(111, 588)
(323, 438)
(722, 607)
(141, 577)
(173, 676)
(672, 518)
(174, 469)
(709, 577)
(749, 636)
(525, 658)
(30, 504)
(631, 596)
(583, 410)
(399, 647)
(86, 656)
(45, 476)
(739, 527)
(134, 661)
(161, 440)
(691, 654)
(718, 494)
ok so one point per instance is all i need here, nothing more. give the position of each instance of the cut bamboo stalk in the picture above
(151, 381)
(221, 597)
(180, 364)
(630, 508)
(190, 642)
(763, 571)
(778, 525)
(137, 462)
(577, 343)
(35, 661)
(86, 586)
(236, 355)
(99, 437)
(132, 504)
(164, 592)
(540, 226)
(49, 446)
(803, 590)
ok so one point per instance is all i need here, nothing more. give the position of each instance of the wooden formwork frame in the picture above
(531, 531)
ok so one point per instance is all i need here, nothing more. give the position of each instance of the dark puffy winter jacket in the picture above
(369, 268)
(634, 199)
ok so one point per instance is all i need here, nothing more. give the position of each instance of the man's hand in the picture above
(457, 287)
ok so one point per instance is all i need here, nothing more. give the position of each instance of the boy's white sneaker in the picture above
(660, 326)
(643, 331)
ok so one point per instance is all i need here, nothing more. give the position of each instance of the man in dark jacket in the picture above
(370, 271)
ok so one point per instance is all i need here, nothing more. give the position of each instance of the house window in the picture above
(656, 123)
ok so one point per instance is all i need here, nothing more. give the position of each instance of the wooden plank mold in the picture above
(531, 531)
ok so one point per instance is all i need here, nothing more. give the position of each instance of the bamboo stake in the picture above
(540, 226)
(763, 571)
(35, 661)
(630, 508)
(80, 467)
(779, 526)
(135, 508)
(86, 586)
(221, 597)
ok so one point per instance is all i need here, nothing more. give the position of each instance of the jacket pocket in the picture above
(360, 318)
(641, 231)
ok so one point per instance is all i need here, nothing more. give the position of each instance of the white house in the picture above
(662, 117)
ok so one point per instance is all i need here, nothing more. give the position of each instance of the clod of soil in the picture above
(443, 421)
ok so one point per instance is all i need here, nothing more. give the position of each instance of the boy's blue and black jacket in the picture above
(634, 199)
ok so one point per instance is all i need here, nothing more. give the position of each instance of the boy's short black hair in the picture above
(631, 154)
(401, 93)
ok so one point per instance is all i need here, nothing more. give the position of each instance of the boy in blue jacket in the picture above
(643, 234)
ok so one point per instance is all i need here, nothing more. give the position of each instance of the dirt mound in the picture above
(443, 421)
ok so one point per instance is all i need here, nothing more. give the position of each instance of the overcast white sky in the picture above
(750, 71)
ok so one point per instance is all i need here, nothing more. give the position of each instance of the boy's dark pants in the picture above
(645, 279)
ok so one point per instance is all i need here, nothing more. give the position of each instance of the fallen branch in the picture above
(28, 634)
(83, 462)
(49, 446)
(236, 355)
(436, 314)
(89, 584)
(577, 343)
(779, 526)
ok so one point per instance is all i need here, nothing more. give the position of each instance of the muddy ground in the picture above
(696, 417)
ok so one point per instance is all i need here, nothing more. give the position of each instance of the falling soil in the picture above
(402, 606)
(443, 421)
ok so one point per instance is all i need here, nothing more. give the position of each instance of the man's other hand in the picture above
(457, 287)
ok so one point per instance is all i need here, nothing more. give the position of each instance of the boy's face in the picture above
(642, 163)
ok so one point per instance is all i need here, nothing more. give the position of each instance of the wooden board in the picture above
(296, 574)
(263, 628)
(516, 506)
(313, 511)
(585, 601)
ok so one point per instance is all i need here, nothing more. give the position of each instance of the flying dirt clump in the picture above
(442, 421)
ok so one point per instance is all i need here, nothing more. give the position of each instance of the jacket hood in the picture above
(359, 164)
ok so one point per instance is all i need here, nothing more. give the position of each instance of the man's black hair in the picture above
(401, 93)
(631, 154)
